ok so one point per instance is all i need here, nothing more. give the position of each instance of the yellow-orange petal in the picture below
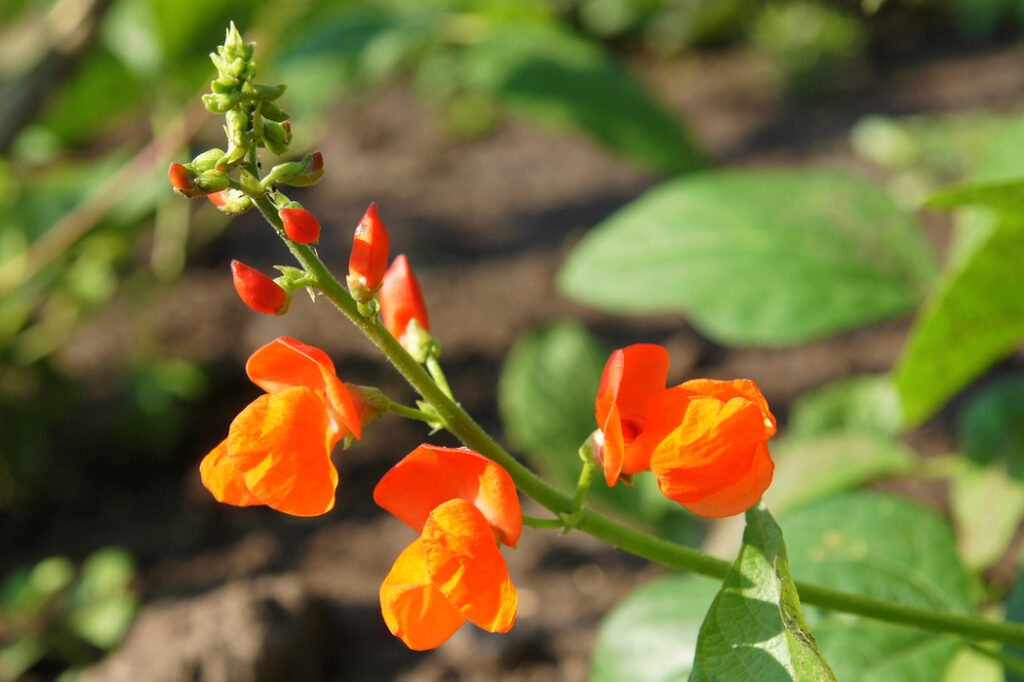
(712, 447)
(741, 495)
(431, 475)
(464, 563)
(413, 609)
(285, 363)
(727, 390)
(222, 479)
(281, 445)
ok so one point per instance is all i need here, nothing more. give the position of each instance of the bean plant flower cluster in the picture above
(704, 440)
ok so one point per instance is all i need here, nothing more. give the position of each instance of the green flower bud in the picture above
(212, 181)
(269, 93)
(272, 112)
(277, 136)
(311, 169)
(206, 161)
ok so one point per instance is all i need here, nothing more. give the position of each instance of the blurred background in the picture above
(494, 137)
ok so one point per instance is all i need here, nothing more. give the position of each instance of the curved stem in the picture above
(534, 522)
(601, 527)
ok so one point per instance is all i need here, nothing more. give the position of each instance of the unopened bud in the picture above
(258, 291)
(310, 169)
(207, 160)
(231, 201)
(184, 181)
(369, 259)
(300, 225)
(212, 181)
(401, 301)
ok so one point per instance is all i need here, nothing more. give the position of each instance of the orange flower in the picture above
(278, 449)
(705, 440)
(464, 506)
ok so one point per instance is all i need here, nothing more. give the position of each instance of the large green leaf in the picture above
(755, 628)
(974, 317)
(865, 404)
(990, 427)
(651, 636)
(756, 257)
(551, 74)
(884, 547)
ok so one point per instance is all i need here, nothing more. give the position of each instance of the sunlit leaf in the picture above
(755, 628)
(756, 257)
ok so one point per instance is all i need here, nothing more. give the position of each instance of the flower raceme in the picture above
(278, 449)
(704, 440)
(464, 506)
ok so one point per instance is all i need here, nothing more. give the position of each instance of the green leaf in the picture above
(867, 404)
(884, 547)
(555, 76)
(546, 394)
(755, 628)
(768, 258)
(974, 317)
(990, 427)
(651, 636)
(812, 468)
(987, 506)
(1006, 195)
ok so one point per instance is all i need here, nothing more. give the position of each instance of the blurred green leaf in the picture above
(768, 258)
(990, 427)
(865, 404)
(809, 469)
(755, 628)
(557, 77)
(1005, 195)
(974, 317)
(651, 636)
(971, 665)
(884, 547)
(986, 505)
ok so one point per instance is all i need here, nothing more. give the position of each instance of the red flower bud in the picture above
(258, 291)
(217, 198)
(369, 257)
(300, 225)
(401, 300)
(183, 181)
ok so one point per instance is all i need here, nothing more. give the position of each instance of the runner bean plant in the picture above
(705, 442)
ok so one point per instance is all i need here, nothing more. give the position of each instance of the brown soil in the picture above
(246, 594)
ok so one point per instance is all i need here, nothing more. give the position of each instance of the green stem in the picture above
(534, 522)
(601, 527)
(434, 367)
(410, 412)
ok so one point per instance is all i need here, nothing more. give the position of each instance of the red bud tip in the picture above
(217, 198)
(300, 225)
(258, 291)
(317, 162)
(287, 125)
(370, 246)
(181, 180)
(401, 300)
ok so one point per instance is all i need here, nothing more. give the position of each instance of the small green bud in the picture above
(269, 93)
(231, 201)
(233, 157)
(220, 104)
(212, 181)
(312, 169)
(272, 112)
(277, 136)
(206, 161)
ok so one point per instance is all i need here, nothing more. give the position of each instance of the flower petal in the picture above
(431, 475)
(631, 377)
(285, 363)
(465, 564)
(222, 479)
(712, 446)
(413, 608)
(281, 445)
(741, 495)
